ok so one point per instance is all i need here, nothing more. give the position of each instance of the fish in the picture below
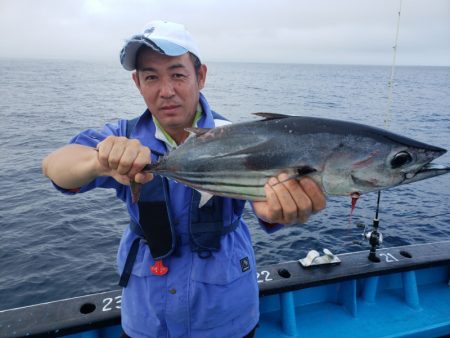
(343, 158)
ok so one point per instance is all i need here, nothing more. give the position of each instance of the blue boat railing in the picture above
(406, 294)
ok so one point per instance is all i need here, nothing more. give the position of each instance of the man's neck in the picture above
(175, 137)
(179, 136)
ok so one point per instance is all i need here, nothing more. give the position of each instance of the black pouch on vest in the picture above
(155, 225)
(154, 218)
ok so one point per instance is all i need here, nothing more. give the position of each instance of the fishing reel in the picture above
(374, 237)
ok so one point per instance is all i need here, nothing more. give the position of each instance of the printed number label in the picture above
(263, 276)
(112, 303)
(389, 258)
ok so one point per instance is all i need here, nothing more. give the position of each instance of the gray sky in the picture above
(297, 31)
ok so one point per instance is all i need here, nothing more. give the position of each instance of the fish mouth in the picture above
(427, 171)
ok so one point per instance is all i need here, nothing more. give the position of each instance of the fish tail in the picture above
(135, 191)
(151, 167)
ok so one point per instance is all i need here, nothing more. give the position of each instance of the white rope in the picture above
(387, 119)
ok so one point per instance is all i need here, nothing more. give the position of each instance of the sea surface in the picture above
(55, 246)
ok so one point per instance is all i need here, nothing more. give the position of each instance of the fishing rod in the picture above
(375, 237)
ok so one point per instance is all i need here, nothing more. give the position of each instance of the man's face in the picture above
(170, 88)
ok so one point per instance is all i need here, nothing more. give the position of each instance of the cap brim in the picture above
(169, 48)
(128, 53)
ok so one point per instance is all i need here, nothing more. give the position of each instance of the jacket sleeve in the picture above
(90, 138)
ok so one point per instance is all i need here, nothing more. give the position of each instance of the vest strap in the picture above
(131, 257)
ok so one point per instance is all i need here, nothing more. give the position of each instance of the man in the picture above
(187, 271)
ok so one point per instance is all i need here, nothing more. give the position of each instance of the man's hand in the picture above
(123, 159)
(289, 201)
(75, 165)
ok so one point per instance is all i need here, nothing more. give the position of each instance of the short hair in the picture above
(195, 60)
(197, 63)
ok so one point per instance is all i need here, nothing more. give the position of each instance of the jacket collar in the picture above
(146, 127)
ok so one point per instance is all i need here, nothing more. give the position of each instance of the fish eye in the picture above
(400, 159)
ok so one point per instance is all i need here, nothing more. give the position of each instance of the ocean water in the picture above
(55, 246)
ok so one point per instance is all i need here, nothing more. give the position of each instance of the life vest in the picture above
(218, 217)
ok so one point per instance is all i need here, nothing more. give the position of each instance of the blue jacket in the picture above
(199, 297)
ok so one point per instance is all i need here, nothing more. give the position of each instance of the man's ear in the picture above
(202, 76)
(136, 80)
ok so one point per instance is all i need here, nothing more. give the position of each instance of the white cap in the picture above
(164, 37)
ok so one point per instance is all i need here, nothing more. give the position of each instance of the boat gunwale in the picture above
(354, 265)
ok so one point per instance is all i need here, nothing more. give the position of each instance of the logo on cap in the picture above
(149, 31)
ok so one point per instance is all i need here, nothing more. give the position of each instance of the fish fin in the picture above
(300, 172)
(291, 177)
(135, 191)
(204, 198)
(305, 170)
(198, 131)
(272, 116)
